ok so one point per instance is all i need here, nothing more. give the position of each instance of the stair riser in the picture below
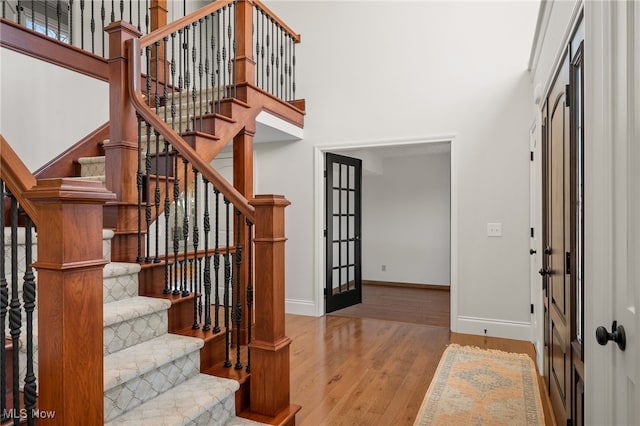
(218, 414)
(133, 393)
(128, 333)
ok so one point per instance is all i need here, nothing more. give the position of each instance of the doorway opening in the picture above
(399, 222)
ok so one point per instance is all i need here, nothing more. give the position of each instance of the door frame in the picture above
(602, 142)
(319, 204)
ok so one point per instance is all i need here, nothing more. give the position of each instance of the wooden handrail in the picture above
(40, 46)
(135, 92)
(17, 177)
(277, 20)
(178, 24)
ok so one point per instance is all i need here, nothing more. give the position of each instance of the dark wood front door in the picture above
(557, 247)
(563, 241)
(343, 178)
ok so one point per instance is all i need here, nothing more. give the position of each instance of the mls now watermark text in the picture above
(23, 414)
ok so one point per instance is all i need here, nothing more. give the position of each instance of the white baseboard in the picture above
(494, 328)
(300, 307)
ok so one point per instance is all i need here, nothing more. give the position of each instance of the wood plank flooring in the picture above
(406, 304)
(349, 370)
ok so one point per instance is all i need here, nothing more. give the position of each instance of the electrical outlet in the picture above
(494, 229)
(384, 268)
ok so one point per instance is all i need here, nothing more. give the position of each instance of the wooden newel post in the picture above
(245, 66)
(69, 265)
(270, 347)
(121, 153)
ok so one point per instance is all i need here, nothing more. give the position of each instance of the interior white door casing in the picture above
(535, 242)
(612, 206)
(319, 152)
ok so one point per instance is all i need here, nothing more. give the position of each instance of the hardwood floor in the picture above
(349, 370)
(406, 304)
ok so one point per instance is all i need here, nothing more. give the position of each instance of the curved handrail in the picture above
(135, 93)
(179, 24)
(277, 20)
(17, 177)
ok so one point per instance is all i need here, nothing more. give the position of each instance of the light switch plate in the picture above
(494, 229)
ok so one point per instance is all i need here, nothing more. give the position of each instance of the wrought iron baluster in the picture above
(18, 12)
(187, 76)
(294, 70)
(147, 52)
(207, 258)
(173, 81)
(238, 308)
(194, 92)
(139, 179)
(156, 194)
(113, 11)
(218, 54)
(122, 8)
(15, 315)
(197, 301)
(4, 15)
(227, 284)
(283, 64)
(102, 16)
(131, 12)
(167, 217)
(206, 67)
(249, 290)
(268, 67)
(274, 47)
(82, 24)
(232, 55)
(147, 204)
(146, 16)
(216, 263)
(29, 295)
(139, 15)
(46, 19)
(176, 236)
(93, 28)
(185, 225)
(70, 9)
(262, 51)
(4, 299)
(224, 52)
(180, 80)
(59, 16)
(200, 71)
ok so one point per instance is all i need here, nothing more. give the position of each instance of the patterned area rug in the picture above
(475, 386)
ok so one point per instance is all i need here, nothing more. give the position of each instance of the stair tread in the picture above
(181, 404)
(132, 307)
(115, 269)
(91, 160)
(134, 361)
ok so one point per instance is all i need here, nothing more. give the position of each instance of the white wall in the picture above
(405, 220)
(370, 71)
(44, 108)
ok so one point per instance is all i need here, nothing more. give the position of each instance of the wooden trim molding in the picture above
(63, 164)
(440, 287)
(36, 45)
(17, 177)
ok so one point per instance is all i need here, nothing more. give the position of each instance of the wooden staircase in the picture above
(155, 365)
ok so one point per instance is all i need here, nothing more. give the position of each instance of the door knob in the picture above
(547, 250)
(532, 251)
(544, 271)
(617, 335)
